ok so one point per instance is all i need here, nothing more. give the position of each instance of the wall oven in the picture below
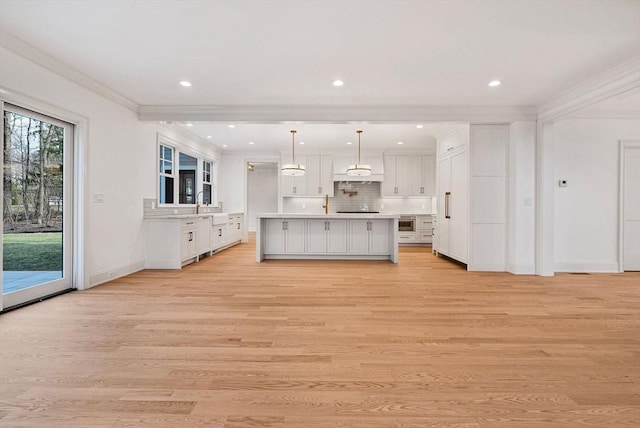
(407, 224)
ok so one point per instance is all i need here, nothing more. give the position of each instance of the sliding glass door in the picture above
(36, 206)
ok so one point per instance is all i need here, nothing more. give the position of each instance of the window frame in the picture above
(177, 149)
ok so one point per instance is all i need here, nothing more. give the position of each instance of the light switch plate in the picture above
(98, 198)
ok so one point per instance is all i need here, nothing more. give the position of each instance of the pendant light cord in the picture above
(293, 145)
(359, 131)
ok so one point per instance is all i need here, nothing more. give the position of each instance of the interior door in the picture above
(631, 209)
(36, 206)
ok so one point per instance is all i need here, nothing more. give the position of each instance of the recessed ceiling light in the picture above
(189, 124)
(348, 142)
(419, 126)
(338, 83)
(224, 145)
(301, 142)
(494, 83)
(208, 136)
(231, 126)
(185, 84)
(400, 143)
(251, 142)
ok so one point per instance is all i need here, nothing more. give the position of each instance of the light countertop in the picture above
(330, 215)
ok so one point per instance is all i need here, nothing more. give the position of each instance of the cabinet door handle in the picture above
(238, 226)
(294, 189)
(320, 190)
(190, 236)
(219, 232)
(449, 149)
(447, 197)
(328, 226)
(422, 190)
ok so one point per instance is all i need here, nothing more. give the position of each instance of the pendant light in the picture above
(359, 169)
(293, 169)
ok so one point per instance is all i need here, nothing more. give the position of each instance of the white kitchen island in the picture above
(327, 236)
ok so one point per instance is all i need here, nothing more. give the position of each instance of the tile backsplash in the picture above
(367, 193)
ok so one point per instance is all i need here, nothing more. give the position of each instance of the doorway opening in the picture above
(262, 190)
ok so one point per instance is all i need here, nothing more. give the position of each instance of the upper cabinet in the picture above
(317, 180)
(409, 175)
(319, 175)
(294, 186)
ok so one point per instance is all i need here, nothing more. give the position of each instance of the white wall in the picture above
(586, 211)
(120, 161)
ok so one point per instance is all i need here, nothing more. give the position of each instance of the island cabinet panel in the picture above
(378, 237)
(369, 237)
(327, 236)
(285, 236)
(332, 237)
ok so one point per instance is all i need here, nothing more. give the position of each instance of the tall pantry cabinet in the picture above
(453, 198)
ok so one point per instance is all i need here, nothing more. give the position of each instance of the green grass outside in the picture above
(32, 251)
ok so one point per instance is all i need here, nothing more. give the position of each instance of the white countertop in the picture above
(330, 215)
(187, 216)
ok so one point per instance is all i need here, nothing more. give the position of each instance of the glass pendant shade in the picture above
(293, 169)
(359, 169)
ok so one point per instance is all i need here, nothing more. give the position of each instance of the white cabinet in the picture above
(396, 178)
(171, 243)
(294, 186)
(319, 175)
(203, 235)
(424, 229)
(408, 175)
(369, 236)
(285, 236)
(218, 236)
(188, 241)
(453, 216)
(327, 236)
(421, 171)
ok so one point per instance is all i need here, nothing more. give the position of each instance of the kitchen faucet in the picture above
(326, 204)
(198, 203)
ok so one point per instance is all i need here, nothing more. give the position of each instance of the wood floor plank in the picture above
(230, 343)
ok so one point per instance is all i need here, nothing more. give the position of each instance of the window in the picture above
(183, 178)
(206, 182)
(167, 174)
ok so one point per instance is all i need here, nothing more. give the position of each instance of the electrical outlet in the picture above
(98, 198)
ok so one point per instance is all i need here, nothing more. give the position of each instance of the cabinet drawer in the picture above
(406, 237)
(189, 224)
(424, 223)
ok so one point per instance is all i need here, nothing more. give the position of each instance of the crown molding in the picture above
(337, 114)
(606, 114)
(25, 50)
(617, 81)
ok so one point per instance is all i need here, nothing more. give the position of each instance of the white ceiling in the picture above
(287, 53)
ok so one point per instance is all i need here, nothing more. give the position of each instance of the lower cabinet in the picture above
(174, 242)
(327, 236)
(285, 236)
(369, 236)
(171, 243)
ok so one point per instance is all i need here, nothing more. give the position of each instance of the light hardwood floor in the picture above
(230, 343)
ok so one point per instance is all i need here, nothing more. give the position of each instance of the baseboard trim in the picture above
(486, 267)
(521, 268)
(586, 266)
(110, 274)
